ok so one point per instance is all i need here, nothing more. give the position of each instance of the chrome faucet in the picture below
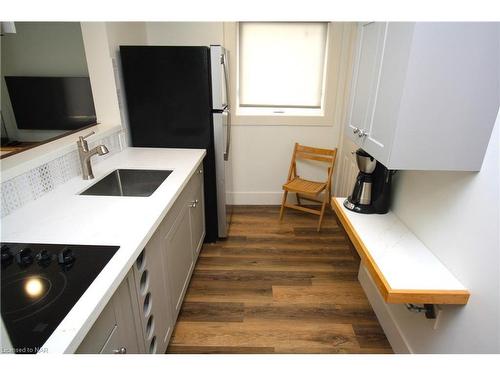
(85, 155)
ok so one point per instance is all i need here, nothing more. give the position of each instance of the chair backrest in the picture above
(323, 155)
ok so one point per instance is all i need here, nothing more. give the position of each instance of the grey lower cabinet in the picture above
(115, 331)
(178, 259)
(183, 240)
(141, 315)
(196, 213)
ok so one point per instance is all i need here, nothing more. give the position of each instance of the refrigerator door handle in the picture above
(228, 136)
(227, 110)
(226, 77)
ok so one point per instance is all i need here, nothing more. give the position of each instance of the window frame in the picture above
(323, 116)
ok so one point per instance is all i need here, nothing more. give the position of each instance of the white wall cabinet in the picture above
(142, 313)
(425, 95)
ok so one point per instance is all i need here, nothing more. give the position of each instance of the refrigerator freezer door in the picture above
(220, 80)
(220, 129)
(168, 97)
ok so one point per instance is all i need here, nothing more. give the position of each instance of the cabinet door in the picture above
(365, 79)
(179, 259)
(124, 338)
(115, 329)
(197, 215)
(380, 132)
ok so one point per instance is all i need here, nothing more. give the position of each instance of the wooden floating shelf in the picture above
(402, 267)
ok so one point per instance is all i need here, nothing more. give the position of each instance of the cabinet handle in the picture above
(193, 203)
(122, 350)
(355, 130)
(362, 134)
(200, 171)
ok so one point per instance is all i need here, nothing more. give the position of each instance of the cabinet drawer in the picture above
(116, 327)
(112, 345)
(100, 332)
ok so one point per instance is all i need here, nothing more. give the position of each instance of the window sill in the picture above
(250, 116)
(280, 112)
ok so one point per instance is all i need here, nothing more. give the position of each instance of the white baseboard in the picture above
(254, 198)
(392, 331)
(272, 198)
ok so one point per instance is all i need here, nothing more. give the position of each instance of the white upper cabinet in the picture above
(425, 96)
(371, 42)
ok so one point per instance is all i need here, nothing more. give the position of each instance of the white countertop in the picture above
(405, 262)
(64, 217)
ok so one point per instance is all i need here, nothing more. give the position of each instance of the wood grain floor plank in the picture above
(254, 278)
(297, 252)
(226, 294)
(370, 335)
(223, 263)
(186, 349)
(256, 238)
(265, 334)
(331, 350)
(348, 293)
(259, 241)
(212, 312)
(309, 312)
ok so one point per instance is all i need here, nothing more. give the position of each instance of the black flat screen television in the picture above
(51, 103)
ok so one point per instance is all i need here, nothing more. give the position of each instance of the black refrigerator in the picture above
(169, 104)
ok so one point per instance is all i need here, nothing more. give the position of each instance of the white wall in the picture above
(123, 33)
(456, 214)
(101, 40)
(100, 65)
(184, 33)
(260, 154)
(40, 49)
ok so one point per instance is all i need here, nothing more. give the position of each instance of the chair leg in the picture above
(298, 199)
(285, 194)
(323, 206)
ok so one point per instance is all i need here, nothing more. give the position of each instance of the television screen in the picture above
(51, 103)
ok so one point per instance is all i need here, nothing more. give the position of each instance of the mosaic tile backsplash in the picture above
(33, 184)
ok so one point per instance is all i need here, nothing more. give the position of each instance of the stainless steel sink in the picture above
(128, 183)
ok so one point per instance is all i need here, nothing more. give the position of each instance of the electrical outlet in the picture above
(439, 313)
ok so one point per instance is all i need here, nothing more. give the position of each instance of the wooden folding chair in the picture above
(306, 189)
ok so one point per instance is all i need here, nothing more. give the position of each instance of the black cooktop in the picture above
(40, 285)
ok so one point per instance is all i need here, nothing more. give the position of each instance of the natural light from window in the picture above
(281, 66)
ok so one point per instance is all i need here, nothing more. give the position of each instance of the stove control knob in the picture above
(24, 257)
(43, 257)
(66, 256)
(6, 254)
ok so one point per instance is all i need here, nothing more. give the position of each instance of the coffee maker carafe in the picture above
(371, 192)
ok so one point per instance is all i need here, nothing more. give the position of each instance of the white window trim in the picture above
(302, 117)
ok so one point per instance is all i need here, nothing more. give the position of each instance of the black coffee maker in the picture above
(371, 193)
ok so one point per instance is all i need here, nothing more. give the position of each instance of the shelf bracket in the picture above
(428, 309)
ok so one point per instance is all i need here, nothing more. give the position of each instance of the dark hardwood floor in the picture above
(277, 288)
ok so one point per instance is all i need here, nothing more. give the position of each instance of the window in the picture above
(281, 67)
